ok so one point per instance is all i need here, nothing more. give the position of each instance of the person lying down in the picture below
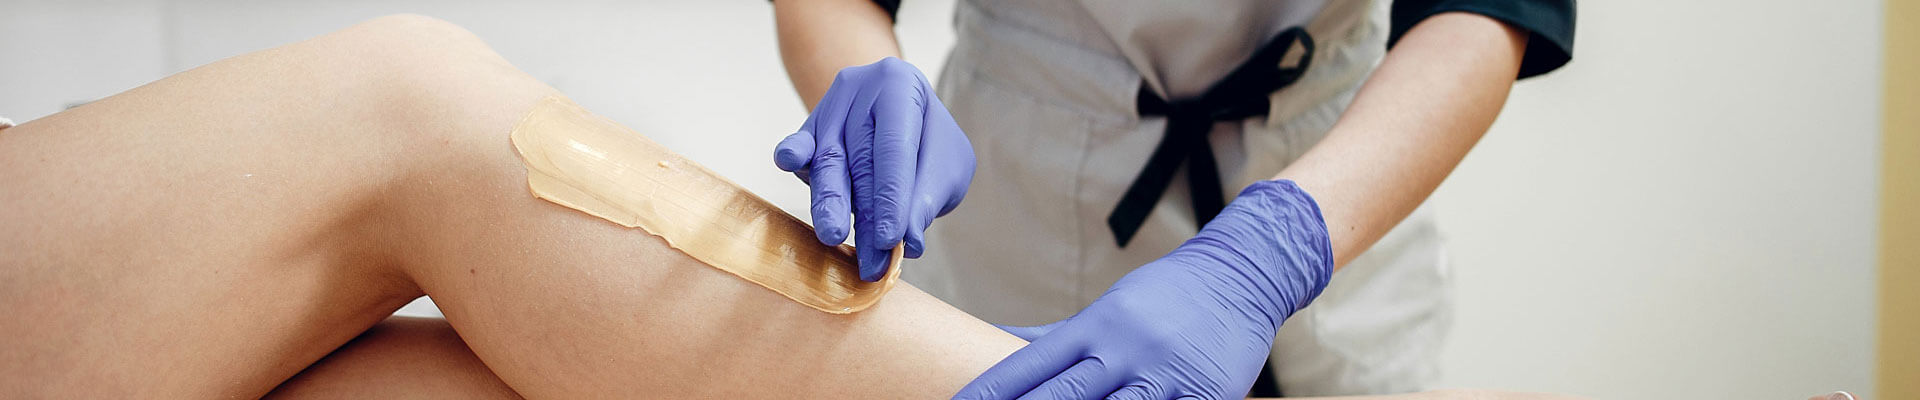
(246, 229)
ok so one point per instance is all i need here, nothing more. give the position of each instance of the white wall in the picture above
(1685, 211)
(59, 54)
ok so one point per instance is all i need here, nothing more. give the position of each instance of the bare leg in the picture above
(214, 233)
(210, 234)
(400, 358)
(634, 314)
(422, 358)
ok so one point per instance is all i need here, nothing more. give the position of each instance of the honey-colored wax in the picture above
(589, 163)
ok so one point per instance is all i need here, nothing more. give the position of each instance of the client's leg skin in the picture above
(400, 358)
(210, 234)
(418, 358)
(621, 314)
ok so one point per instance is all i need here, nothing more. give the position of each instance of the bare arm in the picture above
(819, 37)
(1432, 98)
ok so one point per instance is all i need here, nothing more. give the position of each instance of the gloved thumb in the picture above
(1030, 333)
(794, 152)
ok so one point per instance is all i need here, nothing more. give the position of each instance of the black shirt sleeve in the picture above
(1549, 22)
(892, 7)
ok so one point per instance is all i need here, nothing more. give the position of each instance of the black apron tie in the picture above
(1241, 95)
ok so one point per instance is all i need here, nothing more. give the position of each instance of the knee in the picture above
(404, 22)
(431, 79)
(407, 50)
(410, 35)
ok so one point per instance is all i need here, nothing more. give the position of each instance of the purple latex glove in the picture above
(882, 151)
(1197, 323)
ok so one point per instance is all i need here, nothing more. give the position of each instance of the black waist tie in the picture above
(1241, 95)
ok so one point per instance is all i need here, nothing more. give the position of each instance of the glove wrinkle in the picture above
(1199, 322)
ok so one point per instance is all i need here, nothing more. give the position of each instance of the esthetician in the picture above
(1106, 142)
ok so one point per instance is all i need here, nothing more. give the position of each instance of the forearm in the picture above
(819, 37)
(1432, 98)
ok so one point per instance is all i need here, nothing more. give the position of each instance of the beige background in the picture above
(1900, 207)
(1688, 210)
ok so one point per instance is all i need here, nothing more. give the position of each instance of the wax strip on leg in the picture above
(589, 163)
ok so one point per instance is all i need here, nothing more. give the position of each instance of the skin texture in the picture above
(244, 219)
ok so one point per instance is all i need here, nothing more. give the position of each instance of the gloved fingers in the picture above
(897, 122)
(895, 148)
(919, 217)
(945, 170)
(1025, 369)
(795, 151)
(831, 183)
(873, 259)
(1031, 333)
(948, 148)
(871, 248)
(1137, 391)
(1090, 378)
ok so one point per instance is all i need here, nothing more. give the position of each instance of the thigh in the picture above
(212, 233)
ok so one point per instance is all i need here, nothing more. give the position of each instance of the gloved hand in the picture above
(880, 138)
(1198, 322)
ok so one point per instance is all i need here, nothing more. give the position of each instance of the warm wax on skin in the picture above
(589, 163)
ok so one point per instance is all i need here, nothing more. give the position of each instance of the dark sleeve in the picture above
(1548, 22)
(892, 7)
